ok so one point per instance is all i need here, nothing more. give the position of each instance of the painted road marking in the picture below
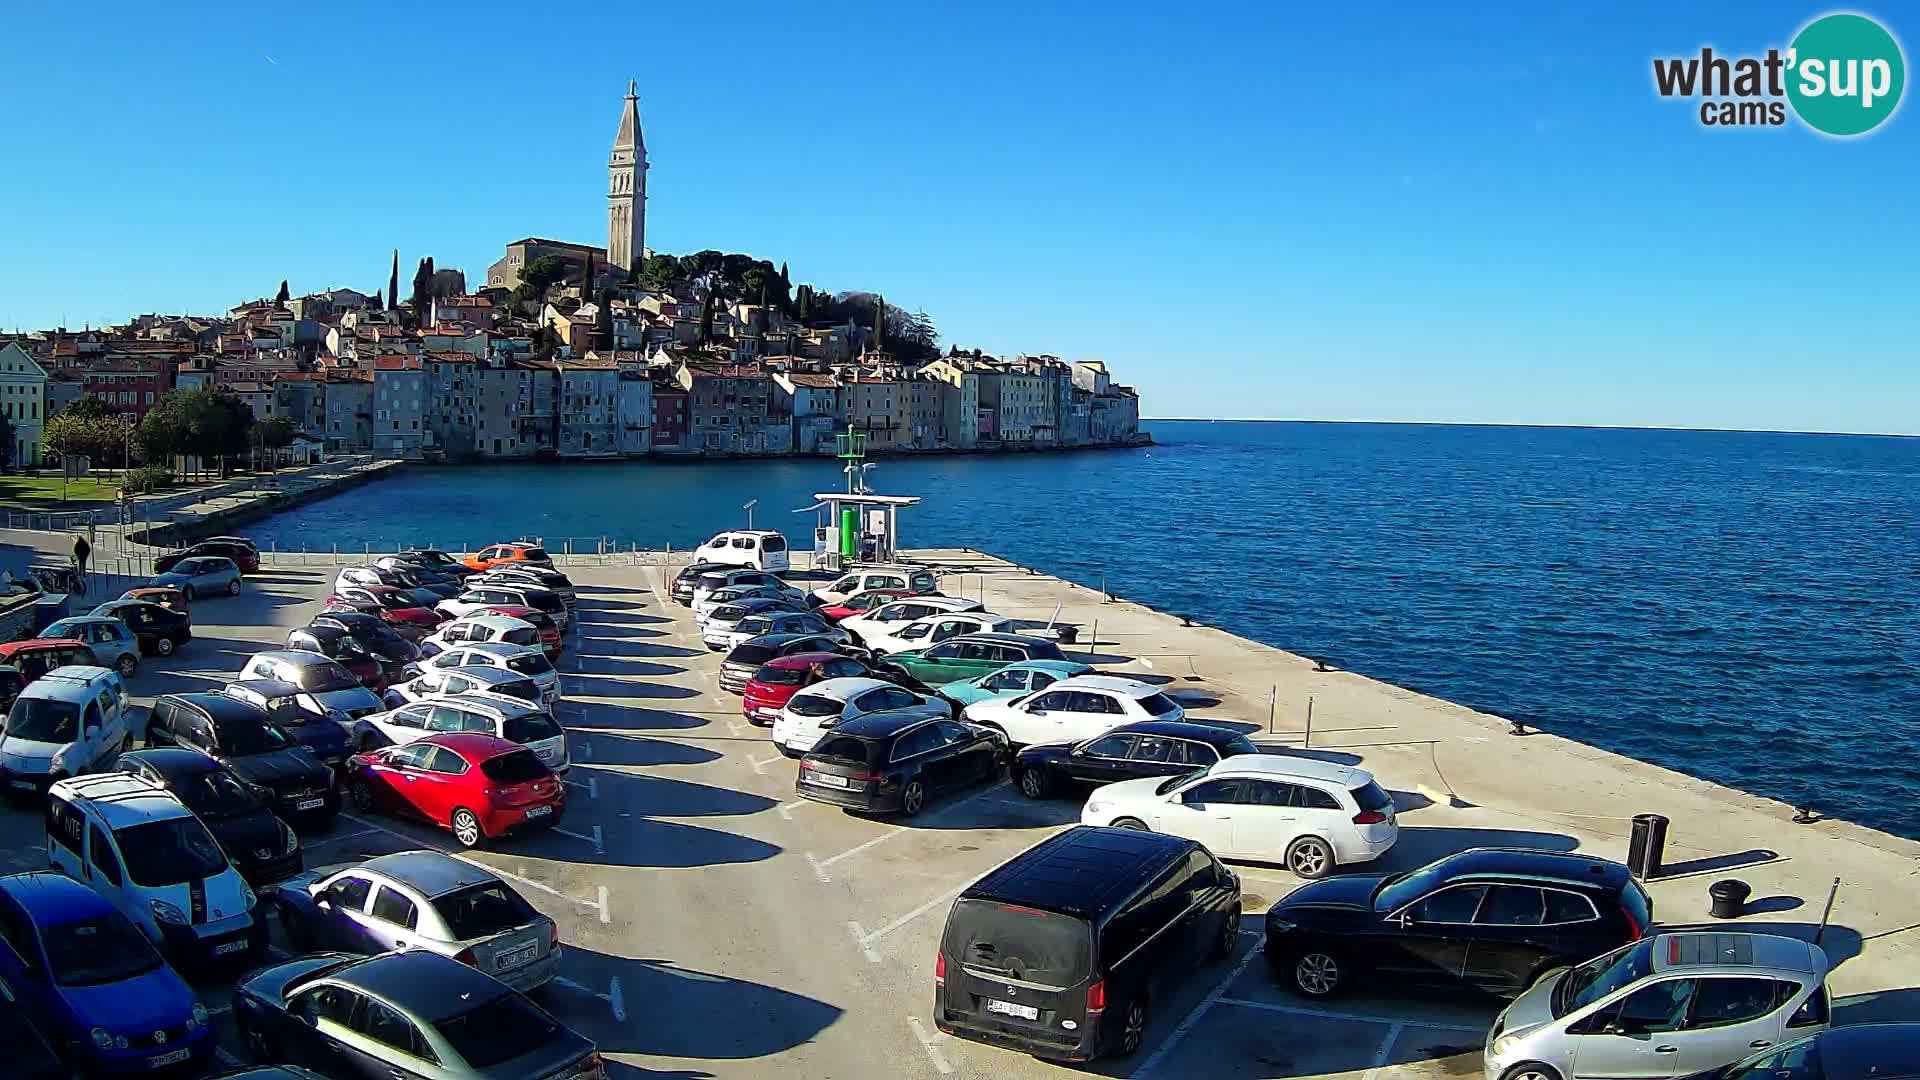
(822, 864)
(786, 811)
(1385, 1052)
(599, 848)
(617, 1001)
(334, 838)
(759, 766)
(818, 870)
(1186, 1024)
(601, 903)
(1362, 1018)
(933, 1051)
(591, 787)
(866, 939)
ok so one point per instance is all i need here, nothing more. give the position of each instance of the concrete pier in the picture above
(717, 926)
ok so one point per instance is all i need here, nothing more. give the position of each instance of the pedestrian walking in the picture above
(81, 551)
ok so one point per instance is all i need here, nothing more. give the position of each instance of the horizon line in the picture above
(1523, 424)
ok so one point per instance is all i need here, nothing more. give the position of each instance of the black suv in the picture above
(1489, 919)
(683, 582)
(1057, 951)
(263, 848)
(895, 761)
(1128, 752)
(243, 737)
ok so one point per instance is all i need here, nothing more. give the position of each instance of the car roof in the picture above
(947, 603)
(888, 722)
(800, 659)
(68, 679)
(1133, 688)
(1287, 766)
(1086, 871)
(1561, 867)
(492, 621)
(429, 985)
(221, 707)
(499, 648)
(123, 799)
(492, 676)
(475, 746)
(998, 638)
(430, 873)
(300, 657)
(52, 898)
(844, 687)
(70, 620)
(1864, 1051)
(1212, 734)
(265, 687)
(1706, 951)
(173, 762)
(38, 645)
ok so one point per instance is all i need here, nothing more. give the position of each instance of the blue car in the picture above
(203, 575)
(92, 983)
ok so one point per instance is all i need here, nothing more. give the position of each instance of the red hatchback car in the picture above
(784, 676)
(860, 602)
(396, 607)
(477, 785)
(551, 642)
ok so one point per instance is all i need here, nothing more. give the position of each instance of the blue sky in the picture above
(1386, 212)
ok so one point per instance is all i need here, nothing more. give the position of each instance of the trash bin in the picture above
(1729, 898)
(1648, 845)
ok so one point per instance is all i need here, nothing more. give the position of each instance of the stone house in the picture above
(23, 396)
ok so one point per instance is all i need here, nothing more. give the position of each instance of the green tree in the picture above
(393, 282)
(422, 290)
(538, 276)
(89, 436)
(272, 435)
(89, 406)
(603, 322)
(281, 296)
(802, 303)
(659, 273)
(706, 317)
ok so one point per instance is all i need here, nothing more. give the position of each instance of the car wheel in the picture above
(1531, 1070)
(1310, 857)
(361, 794)
(233, 587)
(1317, 973)
(128, 664)
(1034, 783)
(1229, 936)
(913, 799)
(466, 828)
(186, 593)
(163, 646)
(1133, 1029)
(1133, 823)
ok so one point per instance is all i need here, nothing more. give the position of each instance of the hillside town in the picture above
(574, 351)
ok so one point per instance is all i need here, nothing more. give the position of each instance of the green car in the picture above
(1013, 680)
(969, 656)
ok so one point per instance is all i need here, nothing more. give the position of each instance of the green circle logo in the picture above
(1846, 74)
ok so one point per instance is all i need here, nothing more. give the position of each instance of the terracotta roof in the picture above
(813, 379)
(401, 362)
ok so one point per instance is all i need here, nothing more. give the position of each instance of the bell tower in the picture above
(627, 189)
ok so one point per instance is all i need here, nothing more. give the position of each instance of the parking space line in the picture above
(818, 870)
(1385, 1053)
(591, 787)
(617, 1001)
(759, 766)
(599, 848)
(334, 838)
(601, 903)
(786, 811)
(1363, 1018)
(1186, 1024)
(866, 940)
(858, 848)
(933, 1051)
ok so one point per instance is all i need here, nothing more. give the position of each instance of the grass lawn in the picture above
(43, 492)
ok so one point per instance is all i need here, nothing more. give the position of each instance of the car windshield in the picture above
(241, 738)
(755, 625)
(1372, 796)
(813, 705)
(326, 678)
(1019, 943)
(1603, 975)
(88, 952)
(218, 794)
(526, 729)
(500, 1030)
(1158, 704)
(161, 853)
(529, 664)
(727, 613)
(482, 910)
(773, 676)
(519, 767)
(848, 748)
(1403, 889)
(44, 720)
(524, 689)
(1172, 782)
(750, 653)
(712, 581)
(421, 597)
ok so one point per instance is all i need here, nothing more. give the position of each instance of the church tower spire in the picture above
(627, 189)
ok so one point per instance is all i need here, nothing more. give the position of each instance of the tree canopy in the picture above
(203, 422)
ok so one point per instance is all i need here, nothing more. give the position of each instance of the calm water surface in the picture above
(1739, 606)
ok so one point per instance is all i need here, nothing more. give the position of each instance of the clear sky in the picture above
(1394, 212)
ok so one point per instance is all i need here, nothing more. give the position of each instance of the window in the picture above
(1213, 791)
(332, 1003)
(1455, 905)
(1266, 793)
(917, 741)
(1566, 907)
(1720, 1002)
(1193, 753)
(1111, 746)
(1061, 700)
(1005, 680)
(410, 756)
(1312, 798)
(1659, 1007)
(1811, 1011)
(100, 856)
(1512, 905)
(390, 906)
(383, 1025)
(349, 893)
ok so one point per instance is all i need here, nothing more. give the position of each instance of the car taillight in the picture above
(939, 969)
(1369, 817)
(1097, 997)
(1634, 930)
(866, 777)
(553, 935)
(466, 957)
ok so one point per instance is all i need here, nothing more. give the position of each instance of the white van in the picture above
(70, 721)
(137, 845)
(762, 549)
(897, 577)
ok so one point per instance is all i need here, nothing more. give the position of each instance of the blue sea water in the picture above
(1739, 606)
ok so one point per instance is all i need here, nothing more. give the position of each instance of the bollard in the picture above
(1307, 739)
(1647, 846)
(1832, 894)
(1728, 898)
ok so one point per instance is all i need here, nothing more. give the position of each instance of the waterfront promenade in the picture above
(717, 927)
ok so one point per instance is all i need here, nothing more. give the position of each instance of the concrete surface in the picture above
(717, 926)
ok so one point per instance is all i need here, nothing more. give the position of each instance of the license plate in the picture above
(540, 811)
(831, 781)
(309, 804)
(23, 785)
(1024, 1012)
(175, 1057)
(229, 948)
(515, 958)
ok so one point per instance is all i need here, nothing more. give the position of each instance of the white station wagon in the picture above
(1074, 709)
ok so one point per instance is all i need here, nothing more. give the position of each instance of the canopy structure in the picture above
(852, 528)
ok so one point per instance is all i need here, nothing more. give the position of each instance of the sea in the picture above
(1739, 606)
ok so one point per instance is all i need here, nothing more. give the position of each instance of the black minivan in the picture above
(1058, 951)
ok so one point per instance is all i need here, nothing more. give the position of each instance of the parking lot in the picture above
(715, 925)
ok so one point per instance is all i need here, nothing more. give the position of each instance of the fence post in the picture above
(1307, 739)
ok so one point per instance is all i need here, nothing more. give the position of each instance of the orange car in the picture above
(517, 552)
(165, 595)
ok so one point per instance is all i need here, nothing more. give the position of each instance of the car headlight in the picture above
(1504, 1045)
(167, 913)
(198, 1018)
(1095, 806)
(247, 899)
(290, 842)
(107, 1040)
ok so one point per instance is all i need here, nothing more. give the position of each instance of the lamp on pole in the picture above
(748, 507)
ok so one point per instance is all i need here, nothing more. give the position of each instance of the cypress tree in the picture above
(879, 323)
(393, 282)
(281, 297)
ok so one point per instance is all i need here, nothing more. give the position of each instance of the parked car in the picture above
(1073, 709)
(404, 1014)
(484, 626)
(716, 628)
(859, 603)
(333, 686)
(682, 586)
(435, 559)
(243, 737)
(140, 847)
(894, 762)
(167, 596)
(754, 624)
(159, 629)
(238, 813)
(1678, 1003)
(1311, 815)
(513, 553)
(395, 607)
(543, 624)
(75, 969)
(374, 636)
(892, 577)
(968, 657)
(70, 722)
(35, 657)
(421, 900)
(112, 643)
(11, 683)
(478, 786)
(761, 549)
(1012, 681)
(740, 594)
(884, 620)
(524, 661)
(435, 682)
(1061, 950)
(720, 579)
(507, 718)
(480, 596)
(808, 714)
(298, 713)
(530, 574)
(399, 577)
(1852, 1052)
(241, 553)
(29, 1054)
(202, 575)
(775, 682)
(1453, 922)
(747, 658)
(340, 646)
(1144, 750)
